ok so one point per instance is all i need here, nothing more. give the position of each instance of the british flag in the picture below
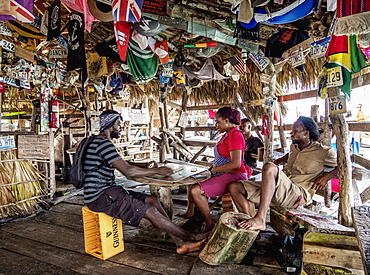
(127, 10)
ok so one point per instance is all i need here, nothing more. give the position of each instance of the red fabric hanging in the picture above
(264, 130)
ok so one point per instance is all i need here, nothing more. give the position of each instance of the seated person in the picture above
(302, 176)
(103, 194)
(251, 143)
(228, 166)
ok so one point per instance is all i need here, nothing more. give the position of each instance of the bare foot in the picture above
(200, 236)
(206, 228)
(253, 224)
(191, 247)
(185, 215)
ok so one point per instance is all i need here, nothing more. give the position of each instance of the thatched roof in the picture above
(206, 12)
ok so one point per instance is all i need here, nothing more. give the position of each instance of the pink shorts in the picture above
(217, 186)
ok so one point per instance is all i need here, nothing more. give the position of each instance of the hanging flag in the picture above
(238, 64)
(54, 20)
(122, 32)
(126, 10)
(343, 52)
(142, 64)
(76, 49)
(21, 10)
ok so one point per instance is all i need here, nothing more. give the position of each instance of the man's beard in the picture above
(115, 134)
(296, 141)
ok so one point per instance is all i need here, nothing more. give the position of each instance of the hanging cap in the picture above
(148, 27)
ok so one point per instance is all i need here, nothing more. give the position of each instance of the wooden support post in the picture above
(269, 139)
(325, 139)
(282, 136)
(315, 114)
(183, 112)
(162, 155)
(340, 128)
(228, 242)
(163, 123)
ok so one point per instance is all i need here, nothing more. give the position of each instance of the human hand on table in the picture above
(163, 170)
(152, 164)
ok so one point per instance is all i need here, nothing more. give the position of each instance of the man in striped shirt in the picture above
(103, 194)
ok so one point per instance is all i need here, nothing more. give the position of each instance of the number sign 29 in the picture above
(337, 104)
(335, 77)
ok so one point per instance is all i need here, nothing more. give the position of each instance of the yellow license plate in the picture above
(335, 77)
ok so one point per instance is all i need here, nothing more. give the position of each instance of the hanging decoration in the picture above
(54, 22)
(200, 45)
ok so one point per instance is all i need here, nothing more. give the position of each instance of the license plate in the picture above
(8, 45)
(335, 77)
(318, 48)
(337, 104)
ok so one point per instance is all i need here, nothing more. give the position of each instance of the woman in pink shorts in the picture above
(228, 165)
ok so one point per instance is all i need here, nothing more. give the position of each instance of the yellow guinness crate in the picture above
(103, 234)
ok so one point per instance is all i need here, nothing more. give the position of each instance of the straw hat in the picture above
(97, 13)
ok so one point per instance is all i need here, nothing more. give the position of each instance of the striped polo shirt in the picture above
(101, 152)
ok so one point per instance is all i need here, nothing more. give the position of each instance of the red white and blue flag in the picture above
(21, 10)
(126, 10)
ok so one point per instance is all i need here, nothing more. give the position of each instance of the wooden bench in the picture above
(325, 243)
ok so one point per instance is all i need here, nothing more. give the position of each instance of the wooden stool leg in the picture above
(227, 205)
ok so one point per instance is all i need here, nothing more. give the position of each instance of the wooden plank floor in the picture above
(51, 242)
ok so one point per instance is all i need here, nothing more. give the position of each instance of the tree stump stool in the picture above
(228, 243)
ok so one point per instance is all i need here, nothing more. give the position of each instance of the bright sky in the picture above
(302, 107)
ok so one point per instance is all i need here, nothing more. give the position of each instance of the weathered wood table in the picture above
(185, 173)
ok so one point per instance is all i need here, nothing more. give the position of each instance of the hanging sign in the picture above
(259, 60)
(4, 29)
(337, 104)
(24, 53)
(11, 81)
(62, 41)
(58, 53)
(334, 77)
(296, 58)
(318, 48)
(7, 142)
(9, 46)
(266, 31)
(154, 7)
